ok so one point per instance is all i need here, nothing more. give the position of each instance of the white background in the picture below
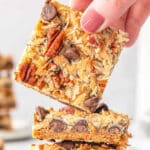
(17, 19)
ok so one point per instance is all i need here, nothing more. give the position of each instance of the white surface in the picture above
(21, 130)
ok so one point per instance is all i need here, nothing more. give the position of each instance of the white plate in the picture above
(21, 130)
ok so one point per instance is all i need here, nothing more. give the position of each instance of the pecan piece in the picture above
(49, 12)
(80, 126)
(57, 125)
(55, 46)
(27, 71)
(23, 70)
(92, 103)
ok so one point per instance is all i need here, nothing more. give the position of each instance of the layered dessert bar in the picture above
(5, 120)
(7, 98)
(65, 63)
(5, 83)
(105, 127)
(70, 145)
(1, 145)
(6, 62)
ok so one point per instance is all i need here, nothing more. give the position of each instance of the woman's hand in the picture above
(128, 15)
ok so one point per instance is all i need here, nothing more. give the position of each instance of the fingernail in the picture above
(92, 20)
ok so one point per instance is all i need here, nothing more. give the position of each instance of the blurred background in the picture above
(128, 88)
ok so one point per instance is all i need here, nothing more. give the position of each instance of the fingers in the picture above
(101, 13)
(80, 5)
(137, 15)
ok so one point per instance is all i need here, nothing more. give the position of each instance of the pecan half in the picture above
(115, 129)
(27, 72)
(55, 45)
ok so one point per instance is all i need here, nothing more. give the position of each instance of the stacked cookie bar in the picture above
(7, 98)
(73, 67)
(1, 145)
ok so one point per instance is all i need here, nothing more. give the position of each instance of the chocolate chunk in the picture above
(68, 145)
(80, 126)
(57, 125)
(115, 129)
(41, 113)
(49, 12)
(71, 53)
(92, 103)
(101, 107)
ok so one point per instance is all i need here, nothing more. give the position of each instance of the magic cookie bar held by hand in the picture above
(104, 127)
(69, 145)
(64, 62)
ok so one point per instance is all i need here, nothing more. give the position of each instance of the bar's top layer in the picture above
(68, 145)
(96, 121)
(64, 62)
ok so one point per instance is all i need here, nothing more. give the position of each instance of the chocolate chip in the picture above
(92, 103)
(49, 12)
(80, 126)
(68, 145)
(115, 129)
(41, 113)
(101, 107)
(57, 125)
(71, 53)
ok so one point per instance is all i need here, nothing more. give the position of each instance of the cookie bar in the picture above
(7, 98)
(6, 62)
(104, 127)
(5, 120)
(5, 83)
(70, 145)
(1, 145)
(65, 63)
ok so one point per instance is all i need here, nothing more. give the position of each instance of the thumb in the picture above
(101, 13)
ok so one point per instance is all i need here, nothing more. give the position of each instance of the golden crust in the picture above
(76, 146)
(79, 79)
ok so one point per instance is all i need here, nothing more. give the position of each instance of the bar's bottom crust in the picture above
(5, 123)
(73, 146)
(104, 137)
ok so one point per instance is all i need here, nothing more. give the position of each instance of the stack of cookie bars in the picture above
(1, 145)
(7, 99)
(73, 67)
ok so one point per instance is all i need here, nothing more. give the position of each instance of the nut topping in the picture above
(57, 125)
(49, 12)
(80, 126)
(41, 112)
(71, 53)
(27, 72)
(101, 107)
(55, 46)
(92, 103)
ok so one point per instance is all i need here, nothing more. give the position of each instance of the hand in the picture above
(128, 15)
